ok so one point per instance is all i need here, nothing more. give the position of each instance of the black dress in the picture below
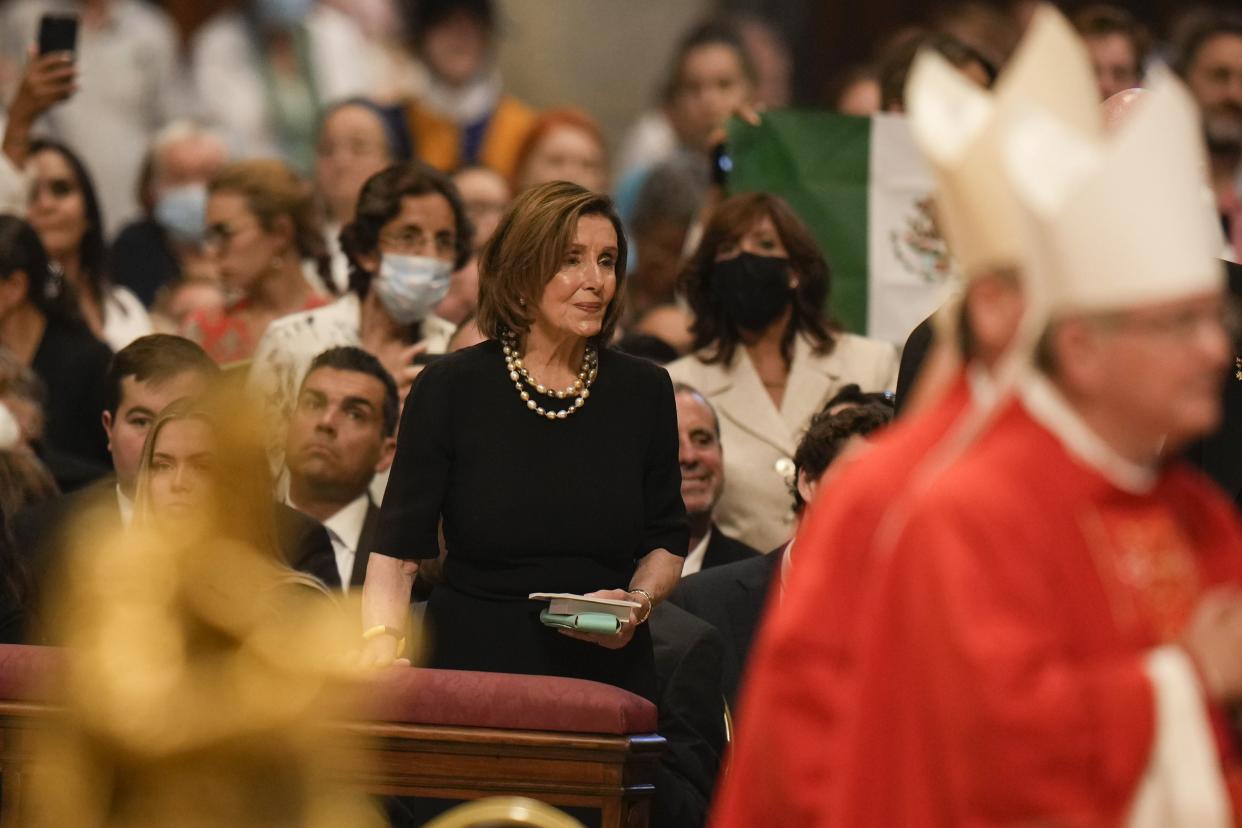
(533, 505)
(74, 366)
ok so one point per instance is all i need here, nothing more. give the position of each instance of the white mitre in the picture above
(1118, 223)
(959, 127)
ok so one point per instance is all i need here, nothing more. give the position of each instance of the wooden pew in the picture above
(435, 733)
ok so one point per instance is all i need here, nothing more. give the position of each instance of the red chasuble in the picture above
(1003, 677)
(804, 656)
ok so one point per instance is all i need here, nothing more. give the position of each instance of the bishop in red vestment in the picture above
(783, 762)
(1053, 636)
(1020, 628)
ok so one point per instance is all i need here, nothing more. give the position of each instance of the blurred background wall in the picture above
(608, 56)
(605, 56)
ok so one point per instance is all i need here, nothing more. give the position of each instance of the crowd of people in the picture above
(338, 295)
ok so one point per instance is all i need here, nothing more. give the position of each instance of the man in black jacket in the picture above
(143, 378)
(702, 481)
(732, 598)
(689, 659)
(341, 434)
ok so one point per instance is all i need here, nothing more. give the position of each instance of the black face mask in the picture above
(752, 290)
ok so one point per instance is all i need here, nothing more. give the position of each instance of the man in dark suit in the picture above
(702, 481)
(341, 433)
(143, 378)
(731, 598)
(1219, 454)
(689, 659)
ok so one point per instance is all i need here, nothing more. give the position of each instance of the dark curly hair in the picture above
(716, 336)
(379, 202)
(828, 433)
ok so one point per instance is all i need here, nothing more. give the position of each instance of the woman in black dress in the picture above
(43, 330)
(549, 462)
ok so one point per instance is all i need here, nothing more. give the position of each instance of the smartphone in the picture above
(425, 358)
(58, 33)
(722, 165)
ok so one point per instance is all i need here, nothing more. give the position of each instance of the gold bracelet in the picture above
(650, 603)
(381, 629)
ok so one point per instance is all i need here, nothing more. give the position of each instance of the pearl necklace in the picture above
(579, 391)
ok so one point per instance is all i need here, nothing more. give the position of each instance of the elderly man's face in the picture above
(702, 463)
(190, 161)
(1215, 78)
(1154, 371)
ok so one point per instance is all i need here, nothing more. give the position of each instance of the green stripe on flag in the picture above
(819, 162)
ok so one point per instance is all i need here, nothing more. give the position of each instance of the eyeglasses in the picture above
(413, 241)
(219, 236)
(1180, 325)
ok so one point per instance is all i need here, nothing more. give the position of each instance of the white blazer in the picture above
(759, 441)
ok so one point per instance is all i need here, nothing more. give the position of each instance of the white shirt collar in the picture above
(1051, 410)
(346, 524)
(126, 505)
(345, 532)
(981, 384)
(694, 561)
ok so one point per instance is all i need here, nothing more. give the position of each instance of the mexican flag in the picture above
(864, 189)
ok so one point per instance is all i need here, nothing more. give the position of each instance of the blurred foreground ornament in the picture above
(198, 679)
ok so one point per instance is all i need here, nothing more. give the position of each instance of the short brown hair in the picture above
(526, 251)
(155, 357)
(1194, 30)
(272, 189)
(1101, 20)
(896, 63)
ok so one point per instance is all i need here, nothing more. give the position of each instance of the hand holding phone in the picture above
(47, 79)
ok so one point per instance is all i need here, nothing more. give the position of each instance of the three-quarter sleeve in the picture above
(410, 516)
(664, 511)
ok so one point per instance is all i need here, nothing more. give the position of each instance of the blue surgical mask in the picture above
(410, 287)
(182, 211)
(282, 14)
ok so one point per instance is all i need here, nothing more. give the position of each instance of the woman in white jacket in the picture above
(766, 355)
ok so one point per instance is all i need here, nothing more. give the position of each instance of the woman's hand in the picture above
(611, 642)
(385, 609)
(46, 81)
(400, 363)
(746, 112)
(380, 651)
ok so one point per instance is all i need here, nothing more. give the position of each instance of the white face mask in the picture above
(410, 287)
(182, 211)
(283, 14)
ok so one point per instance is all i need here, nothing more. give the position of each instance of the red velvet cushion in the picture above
(422, 696)
(27, 673)
(511, 702)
